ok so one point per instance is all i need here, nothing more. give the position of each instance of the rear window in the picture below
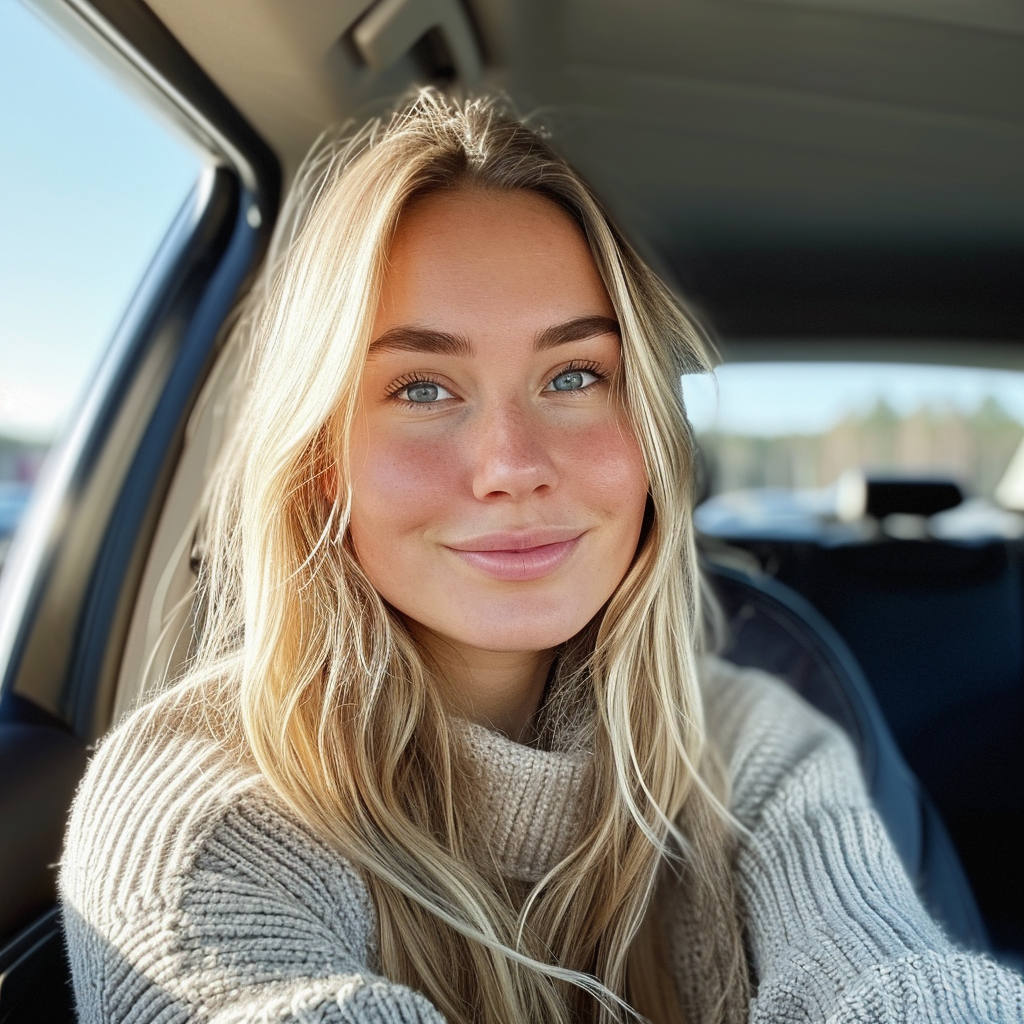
(784, 439)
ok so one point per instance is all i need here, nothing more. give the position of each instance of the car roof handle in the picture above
(391, 28)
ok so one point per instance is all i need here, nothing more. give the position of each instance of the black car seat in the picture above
(773, 628)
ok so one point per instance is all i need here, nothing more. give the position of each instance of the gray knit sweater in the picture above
(190, 893)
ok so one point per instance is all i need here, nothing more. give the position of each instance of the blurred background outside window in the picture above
(780, 440)
(89, 185)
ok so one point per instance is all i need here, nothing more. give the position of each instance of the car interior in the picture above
(827, 180)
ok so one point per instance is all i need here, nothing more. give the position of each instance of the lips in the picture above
(519, 557)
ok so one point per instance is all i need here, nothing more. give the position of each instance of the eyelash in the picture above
(576, 365)
(407, 381)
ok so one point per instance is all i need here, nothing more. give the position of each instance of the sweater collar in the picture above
(532, 801)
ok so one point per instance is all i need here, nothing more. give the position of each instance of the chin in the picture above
(507, 641)
(516, 633)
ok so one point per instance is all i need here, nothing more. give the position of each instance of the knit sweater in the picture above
(191, 893)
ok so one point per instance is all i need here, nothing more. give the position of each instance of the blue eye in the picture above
(423, 392)
(572, 380)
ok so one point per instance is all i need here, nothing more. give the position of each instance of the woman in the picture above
(447, 749)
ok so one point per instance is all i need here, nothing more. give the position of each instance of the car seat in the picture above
(771, 627)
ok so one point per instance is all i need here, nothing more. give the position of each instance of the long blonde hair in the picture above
(320, 683)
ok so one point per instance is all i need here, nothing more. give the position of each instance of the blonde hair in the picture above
(321, 685)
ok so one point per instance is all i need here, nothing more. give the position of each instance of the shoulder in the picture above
(834, 927)
(176, 852)
(159, 806)
(768, 735)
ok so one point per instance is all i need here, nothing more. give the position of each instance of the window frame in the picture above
(73, 571)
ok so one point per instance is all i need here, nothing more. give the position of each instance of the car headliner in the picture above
(800, 169)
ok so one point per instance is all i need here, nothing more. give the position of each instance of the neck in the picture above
(499, 690)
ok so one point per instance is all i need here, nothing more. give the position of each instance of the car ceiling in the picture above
(802, 170)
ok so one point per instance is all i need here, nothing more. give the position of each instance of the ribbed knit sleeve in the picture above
(836, 930)
(190, 894)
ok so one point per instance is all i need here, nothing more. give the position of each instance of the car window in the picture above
(781, 440)
(90, 182)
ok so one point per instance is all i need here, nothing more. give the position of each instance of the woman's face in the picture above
(498, 492)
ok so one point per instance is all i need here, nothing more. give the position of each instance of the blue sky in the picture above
(89, 183)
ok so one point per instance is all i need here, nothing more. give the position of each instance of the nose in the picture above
(513, 459)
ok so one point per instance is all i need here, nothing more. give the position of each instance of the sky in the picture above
(89, 184)
(808, 398)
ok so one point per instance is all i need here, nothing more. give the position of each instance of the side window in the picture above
(90, 182)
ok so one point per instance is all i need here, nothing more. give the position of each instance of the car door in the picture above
(70, 578)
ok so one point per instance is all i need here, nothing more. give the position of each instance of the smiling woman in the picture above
(493, 467)
(448, 747)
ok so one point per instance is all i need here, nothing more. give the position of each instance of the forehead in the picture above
(473, 261)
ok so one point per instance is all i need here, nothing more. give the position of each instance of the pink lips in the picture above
(518, 558)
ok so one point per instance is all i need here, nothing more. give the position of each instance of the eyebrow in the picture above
(421, 339)
(407, 338)
(576, 330)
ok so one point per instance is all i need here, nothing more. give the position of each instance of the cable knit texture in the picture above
(191, 894)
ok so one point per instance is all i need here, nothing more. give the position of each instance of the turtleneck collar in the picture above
(532, 801)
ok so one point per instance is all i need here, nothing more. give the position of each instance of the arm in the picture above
(190, 894)
(836, 931)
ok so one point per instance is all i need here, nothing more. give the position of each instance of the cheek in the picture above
(391, 475)
(398, 484)
(606, 466)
